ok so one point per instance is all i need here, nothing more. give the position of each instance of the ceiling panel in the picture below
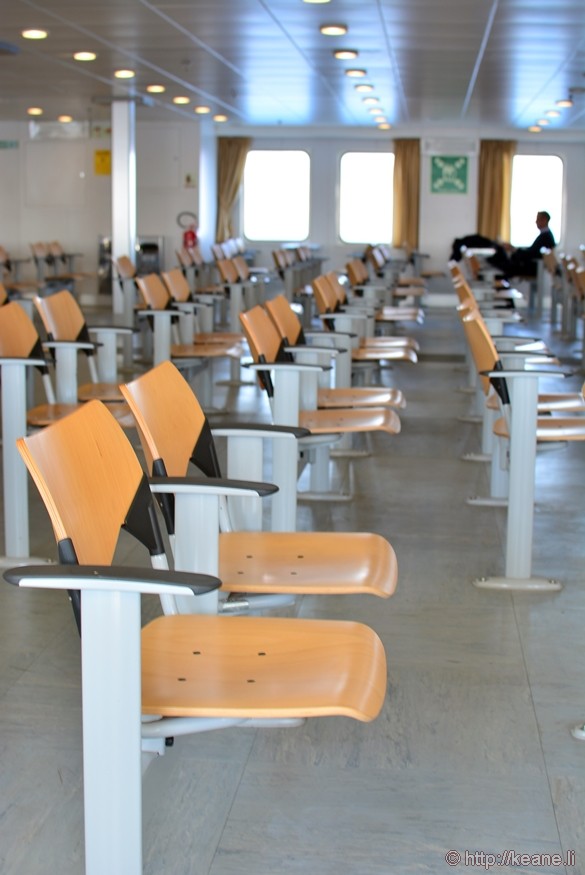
(501, 63)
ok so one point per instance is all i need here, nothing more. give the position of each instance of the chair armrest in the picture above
(516, 374)
(67, 344)
(16, 360)
(110, 329)
(215, 486)
(98, 577)
(333, 334)
(285, 366)
(530, 358)
(264, 431)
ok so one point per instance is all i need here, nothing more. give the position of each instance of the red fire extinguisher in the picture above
(190, 237)
(188, 222)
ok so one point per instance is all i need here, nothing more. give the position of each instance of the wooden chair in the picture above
(335, 318)
(362, 284)
(19, 340)
(178, 288)
(292, 389)
(50, 274)
(159, 304)
(65, 323)
(342, 394)
(522, 426)
(184, 673)
(21, 355)
(174, 433)
(339, 301)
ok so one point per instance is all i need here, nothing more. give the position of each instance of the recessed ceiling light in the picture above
(85, 56)
(202, 110)
(535, 129)
(220, 117)
(543, 122)
(565, 103)
(34, 110)
(355, 74)
(180, 99)
(316, 1)
(124, 74)
(376, 110)
(363, 87)
(371, 99)
(65, 119)
(33, 33)
(155, 89)
(333, 29)
(553, 113)
(384, 126)
(345, 54)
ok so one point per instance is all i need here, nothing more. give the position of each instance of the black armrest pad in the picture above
(261, 489)
(199, 584)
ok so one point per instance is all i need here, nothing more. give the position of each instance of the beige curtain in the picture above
(231, 159)
(494, 188)
(406, 193)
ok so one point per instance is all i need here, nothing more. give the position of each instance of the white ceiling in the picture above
(467, 63)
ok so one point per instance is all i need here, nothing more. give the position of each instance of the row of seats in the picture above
(189, 671)
(515, 418)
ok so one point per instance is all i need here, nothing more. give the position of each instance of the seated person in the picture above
(523, 261)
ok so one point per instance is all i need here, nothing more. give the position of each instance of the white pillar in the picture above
(123, 189)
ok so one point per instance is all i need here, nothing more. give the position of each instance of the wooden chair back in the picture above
(339, 291)
(177, 285)
(263, 338)
(3, 295)
(169, 419)
(126, 270)
(153, 291)
(323, 295)
(285, 319)
(357, 272)
(88, 476)
(280, 261)
(227, 270)
(482, 347)
(242, 269)
(18, 336)
(61, 316)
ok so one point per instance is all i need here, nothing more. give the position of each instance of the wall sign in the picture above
(448, 174)
(102, 162)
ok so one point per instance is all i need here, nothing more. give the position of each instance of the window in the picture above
(537, 184)
(276, 195)
(366, 185)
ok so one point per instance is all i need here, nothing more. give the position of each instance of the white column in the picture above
(123, 190)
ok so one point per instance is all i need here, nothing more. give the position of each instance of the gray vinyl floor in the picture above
(473, 752)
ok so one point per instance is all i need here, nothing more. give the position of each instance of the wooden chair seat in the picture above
(206, 350)
(318, 563)
(43, 415)
(400, 314)
(255, 667)
(551, 428)
(379, 354)
(389, 343)
(355, 419)
(361, 396)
